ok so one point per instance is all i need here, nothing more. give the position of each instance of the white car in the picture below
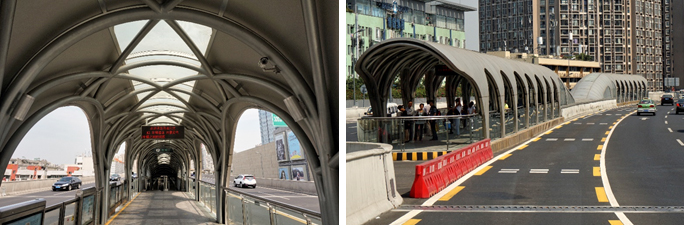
(245, 180)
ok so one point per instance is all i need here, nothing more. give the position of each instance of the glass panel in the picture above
(510, 121)
(52, 217)
(127, 31)
(234, 208)
(212, 199)
(285, 216)
(257, 212)
(112, 196)
(88, 209)
(70, 214)
(494, 125)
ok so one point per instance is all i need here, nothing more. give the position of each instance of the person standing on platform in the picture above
(432, 111)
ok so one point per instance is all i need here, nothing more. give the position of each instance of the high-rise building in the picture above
(673, 30)
(623, 36)
(266, 126)
(373, 21)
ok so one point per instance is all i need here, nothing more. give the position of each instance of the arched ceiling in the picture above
(132, 63)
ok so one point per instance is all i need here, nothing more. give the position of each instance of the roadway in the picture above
(51, 197)
(586, 167)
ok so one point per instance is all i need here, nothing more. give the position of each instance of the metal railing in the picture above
(408, 132)
(245, 208)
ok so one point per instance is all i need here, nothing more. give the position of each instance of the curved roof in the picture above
(198, 64)
(597, 86)
(382, 62)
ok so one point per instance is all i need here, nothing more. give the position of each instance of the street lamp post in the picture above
(261, 159)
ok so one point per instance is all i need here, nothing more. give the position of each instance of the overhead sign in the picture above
(163, 132)
(277, 121)
(443, 70)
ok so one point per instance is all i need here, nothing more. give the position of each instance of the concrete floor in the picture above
(164, 207)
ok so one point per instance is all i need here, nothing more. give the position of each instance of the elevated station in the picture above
(172, 75)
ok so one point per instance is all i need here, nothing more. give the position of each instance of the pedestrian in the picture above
(419, 123)
(433, 125)
(408, 124)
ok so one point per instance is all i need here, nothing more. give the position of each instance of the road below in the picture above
(51, 197)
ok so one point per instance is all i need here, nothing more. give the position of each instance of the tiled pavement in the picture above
(164, 207)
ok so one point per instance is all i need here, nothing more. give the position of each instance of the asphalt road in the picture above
(51, 197)
(351, 130)
(642, 163)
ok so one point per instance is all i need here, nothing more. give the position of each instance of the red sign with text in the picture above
(163, 132)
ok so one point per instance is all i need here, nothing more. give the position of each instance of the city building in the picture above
(266, 126)
(673, 29)
(370, 21)
(27, 169)
(624, 36)
(570, 71)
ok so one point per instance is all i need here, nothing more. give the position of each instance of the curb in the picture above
(417, 156)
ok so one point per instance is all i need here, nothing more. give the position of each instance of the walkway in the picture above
(164, 207)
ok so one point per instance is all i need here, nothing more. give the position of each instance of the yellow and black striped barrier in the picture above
(416, 156)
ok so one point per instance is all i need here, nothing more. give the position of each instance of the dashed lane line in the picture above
(483, 170)
(615, 222)
(539, 170)
(414, 222)
(451, 193)
(591, 123)
(569, 139)
(587, 139)
(522, 147)
(570, 171)
(603, 123)
(536, 139)
(665, 121)
(600, 147)
(604, 177)
(509, 170)
(597, 157)
(597, 171)
(552, 139)
(670, 129)
(680, 142)
(601, 194)
(505, 156)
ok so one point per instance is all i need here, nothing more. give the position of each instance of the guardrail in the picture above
(79, 210)
(245, 208)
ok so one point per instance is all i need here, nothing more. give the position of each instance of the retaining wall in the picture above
(305, 187)
(376, 191)
(583, 109)
(30, 186)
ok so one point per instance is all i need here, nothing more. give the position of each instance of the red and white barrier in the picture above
(435, 175)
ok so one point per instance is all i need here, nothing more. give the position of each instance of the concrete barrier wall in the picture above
(304, 187)
(371, 186)
(583, 109)
(30, 186)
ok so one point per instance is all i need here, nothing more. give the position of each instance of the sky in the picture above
(64, 133)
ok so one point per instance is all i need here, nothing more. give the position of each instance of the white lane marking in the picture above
(508, 170)
(669, 129)
(552, 139)
(618, 114)
(643, 118)
(665, 121)
(603, 123)
(431, 201)
(570, 171)
(577, 123)
(680, 142)
(604, 177)
(607, 114)
(665, 116)
(590, 123)
(539, 170)
(587, 139)
(569, 139)
(599, 114)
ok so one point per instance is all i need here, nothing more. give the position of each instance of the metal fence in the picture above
(245, 208)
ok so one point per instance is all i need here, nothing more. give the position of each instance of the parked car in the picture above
(669, 99)
(680, 106)
(67, 183)
(392, 110)
(245, 180)
(646, 106)
(115, 177)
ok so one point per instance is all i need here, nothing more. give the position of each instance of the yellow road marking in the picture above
(601, 194)
(536, 139)
(122, 209)
(394, 156)
(597, 157)
(603, 139)
(600, 147)
(414, 156)
(505, 156)
(597, 171)
(548, 132)
(607, 132)
(483, 170)
(425, 155)
(451, 193)
(566, 123)
(559, 126)
(522, 147)
(574, 120)
(611, 127)
(412, 222)
(615, 222)
(434, 155)
(614, 123)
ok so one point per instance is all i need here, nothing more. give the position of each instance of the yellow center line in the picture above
(607, 132)
(601, 194)
(615, 222)
(566, 123)
(451, 193)
(574, 120)
(522, 147)
(603, 139)
(597, 171)
(505, 156)
(483, 170)
(559, 126)
(122, 209)
(548, 132)
(600, 147)
(611, 127)
(412, 222)
(536, 139)
(597, 157)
